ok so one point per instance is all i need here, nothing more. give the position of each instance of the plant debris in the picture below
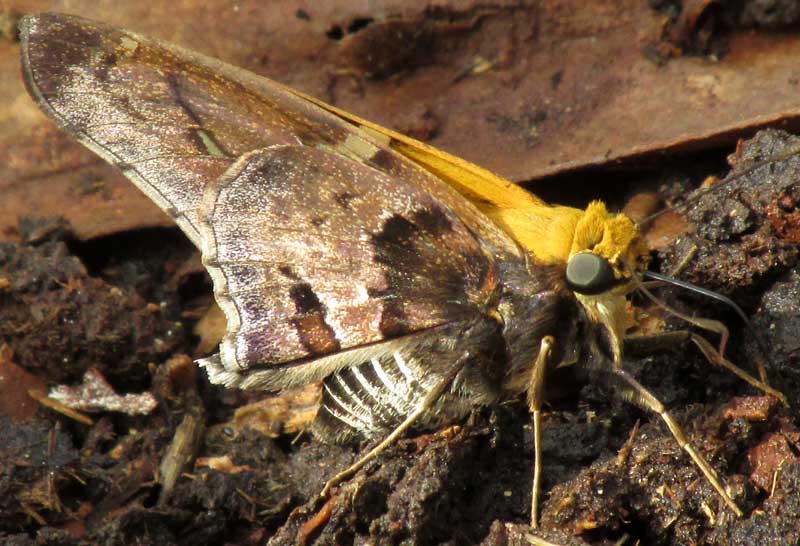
(95, 394)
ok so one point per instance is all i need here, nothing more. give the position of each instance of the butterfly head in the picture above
(607, 252)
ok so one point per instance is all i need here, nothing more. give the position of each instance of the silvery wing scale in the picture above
(334, 258)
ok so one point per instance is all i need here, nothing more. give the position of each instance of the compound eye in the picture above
(589, 274)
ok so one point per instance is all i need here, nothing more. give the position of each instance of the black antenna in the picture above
(719, 297)
(700, 290)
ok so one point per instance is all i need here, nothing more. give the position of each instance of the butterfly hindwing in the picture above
(313, 253)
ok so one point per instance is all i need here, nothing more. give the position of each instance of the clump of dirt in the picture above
(61, 321)
(743, 230)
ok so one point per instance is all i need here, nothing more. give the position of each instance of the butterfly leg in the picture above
(635, 392)
(685, 261)
(715, 357)
(427, 403)
(719, 328)
(535, 391)
(646, 344)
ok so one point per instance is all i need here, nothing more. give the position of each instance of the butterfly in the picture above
(412, 284)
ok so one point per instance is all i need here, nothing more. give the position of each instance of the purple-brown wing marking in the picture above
(349, 244)
(313, 254)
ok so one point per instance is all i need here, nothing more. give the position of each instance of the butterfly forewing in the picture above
(170, 119)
